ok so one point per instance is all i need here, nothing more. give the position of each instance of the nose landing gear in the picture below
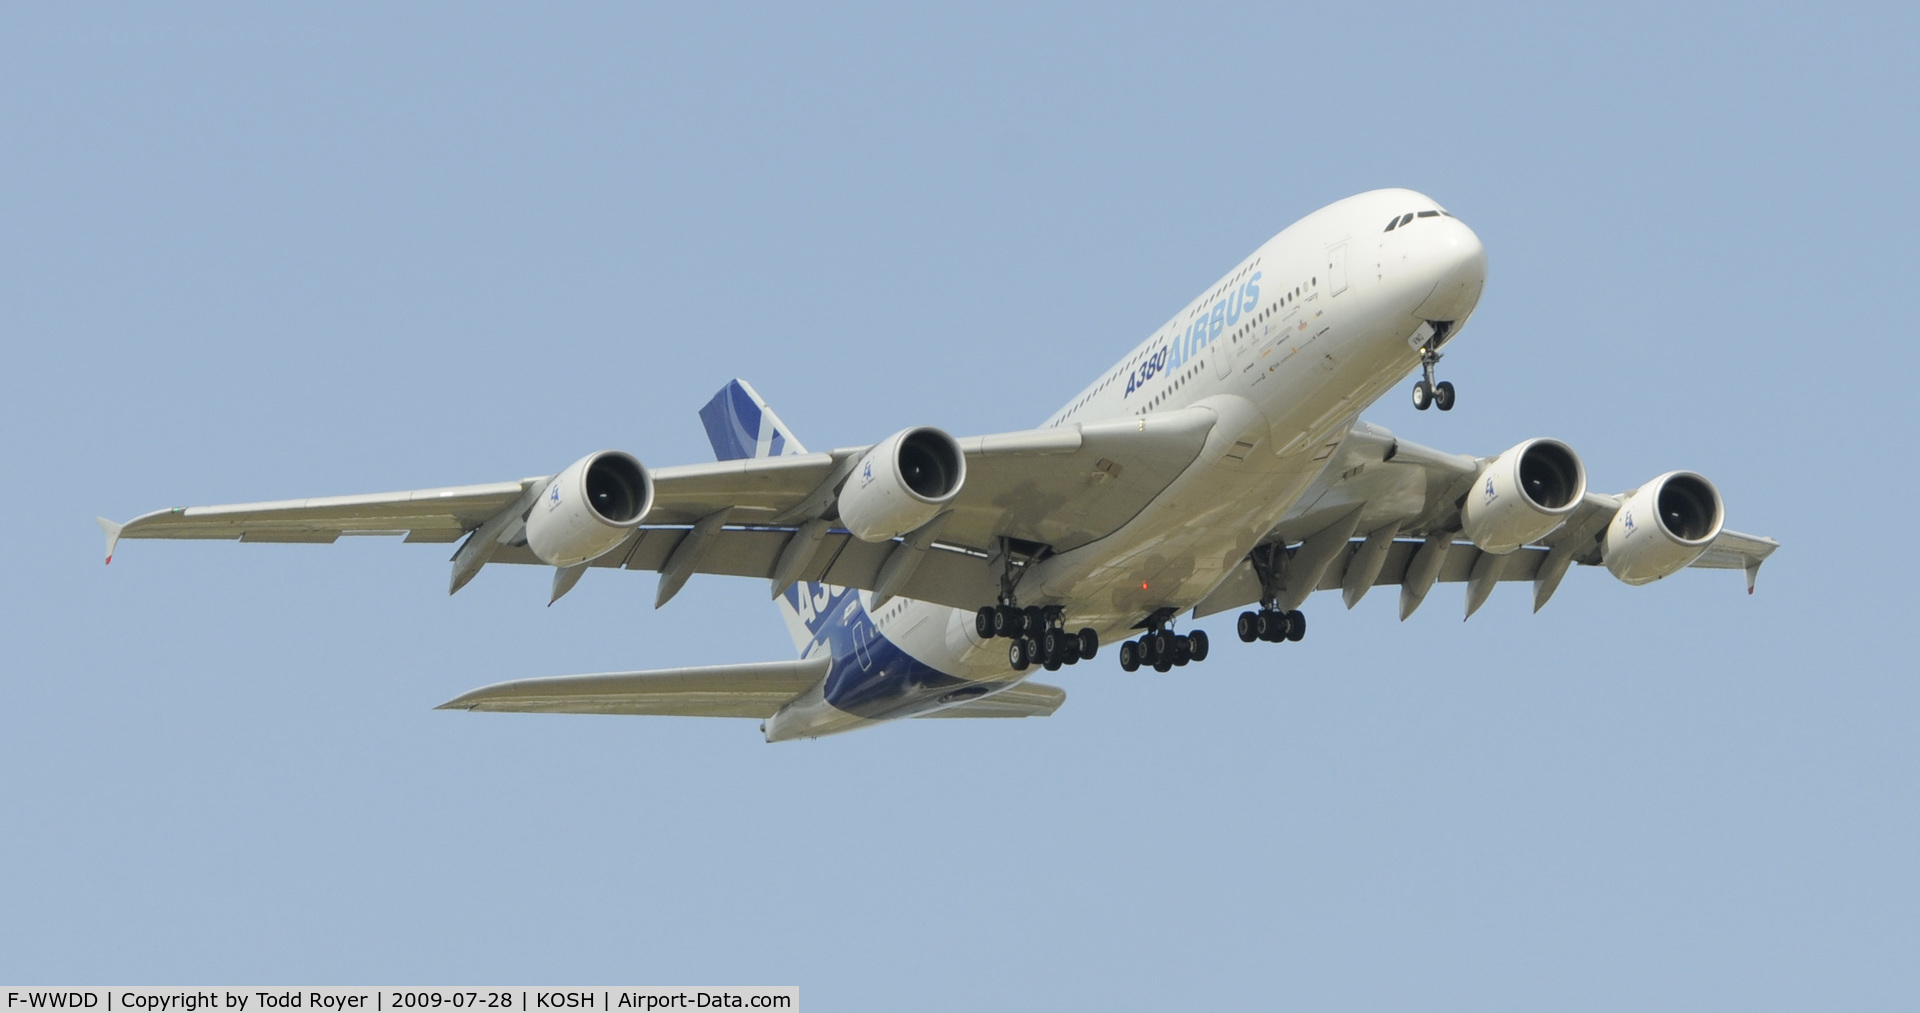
(1428, 391)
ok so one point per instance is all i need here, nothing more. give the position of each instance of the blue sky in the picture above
(263, 252)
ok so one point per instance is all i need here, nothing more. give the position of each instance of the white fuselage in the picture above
(1284, 352)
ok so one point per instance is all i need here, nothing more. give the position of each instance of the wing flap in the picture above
(718, 691)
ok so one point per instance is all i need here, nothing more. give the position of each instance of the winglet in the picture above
(1753, 570)
(113, 535)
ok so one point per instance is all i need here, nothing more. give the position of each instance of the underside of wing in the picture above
(422, 515)
(718, 691)
(1052, 489)
(1385, 511)
(1023, 700)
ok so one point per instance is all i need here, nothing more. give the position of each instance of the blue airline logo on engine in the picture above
(1205, 329)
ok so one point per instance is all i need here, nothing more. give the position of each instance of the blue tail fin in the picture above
(739, 424)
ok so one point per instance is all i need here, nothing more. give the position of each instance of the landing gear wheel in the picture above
(1422, 395)
(1052, 664)
(1163, 665)
(1443, 395)
(1182, 651)
(1034, 621)
(1007, 621)
(1269, 626)
(1129, 656)
(1089, 643)
(1163, 641)
(1197, 641)
(1248, 627)
(1296, 625)
(1017, 655)
(983, 623)
(1053, 644)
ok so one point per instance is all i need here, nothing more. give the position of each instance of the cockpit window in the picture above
(1394, 223)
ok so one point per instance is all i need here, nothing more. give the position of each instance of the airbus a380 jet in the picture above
(1220, 465)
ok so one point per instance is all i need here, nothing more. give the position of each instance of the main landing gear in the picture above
(1271, 625)
(1162, 648)
(1037, 636)
(1427, 391)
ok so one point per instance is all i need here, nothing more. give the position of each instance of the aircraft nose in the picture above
(1457, 264)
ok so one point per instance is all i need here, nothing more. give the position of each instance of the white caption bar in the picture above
(336, 999)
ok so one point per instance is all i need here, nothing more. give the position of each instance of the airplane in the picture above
(1219, 465)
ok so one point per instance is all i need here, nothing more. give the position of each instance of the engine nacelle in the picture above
(902, 483)
(1663, 526)
(589, 508)
(1523, 495)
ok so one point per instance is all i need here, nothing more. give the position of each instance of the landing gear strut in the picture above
(1427, 391)
(1272, 623)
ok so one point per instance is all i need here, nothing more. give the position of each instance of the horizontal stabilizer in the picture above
(714, 691)
(1026, 700)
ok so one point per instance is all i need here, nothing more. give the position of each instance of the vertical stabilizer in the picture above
(740, 425)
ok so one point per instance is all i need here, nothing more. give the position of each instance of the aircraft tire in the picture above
(1248, 627)
(1129, 656)
(1422, 395)
(983, 623)
(1017, 655)
(1443, 395)
(1198, 638)
(1182, 651)
(1296, 625)
(1007, 621)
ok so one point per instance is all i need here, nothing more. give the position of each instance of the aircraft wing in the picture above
(1061, 487)
(1380, 500)
(713, 691)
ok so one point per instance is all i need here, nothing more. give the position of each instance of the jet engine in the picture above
(1523, 495)
(902, 483)
(1663, 526)
(589, 508)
